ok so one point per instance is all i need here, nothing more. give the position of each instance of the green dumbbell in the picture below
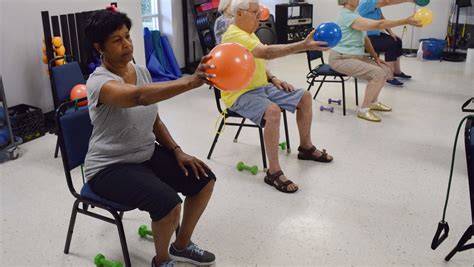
(282, 145)
(241, 166)
(101, 261)
(143, 231)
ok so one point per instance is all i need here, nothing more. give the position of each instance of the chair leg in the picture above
(72, 222)
(319, 88)
(285, 124)
(215, 139)
(123, 241)
(238, 131)
(343, 97)
(311, 84)
(56, 150)
(262, 146)
(357, 92)
(121, 215)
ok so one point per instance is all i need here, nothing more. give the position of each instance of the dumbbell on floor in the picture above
(143, 231)
(252, 169)
(330, 101)
(101, 261)
(331, 109)
(282, 145)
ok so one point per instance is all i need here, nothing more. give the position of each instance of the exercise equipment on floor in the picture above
(328, 32)
(456, 36)
(323, 108)
(143, 231)
(101, 261)
(282, 145)
(252, 169)
(338, 102)
(229, 59)
(443, 226)
(8, 142)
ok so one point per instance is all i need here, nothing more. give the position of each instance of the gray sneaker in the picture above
(169, 263)
(192, 254)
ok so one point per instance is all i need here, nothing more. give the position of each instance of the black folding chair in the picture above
(74, 131)
(325, 71)
(230, 114)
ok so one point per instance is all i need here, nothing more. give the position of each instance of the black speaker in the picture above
(266, 31)
(463, 3)
(293, 21)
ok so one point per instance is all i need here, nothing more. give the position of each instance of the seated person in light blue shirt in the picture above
(349, 56)
(390, 43)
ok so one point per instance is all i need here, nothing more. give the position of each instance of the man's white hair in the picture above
(223, 4)
(241, 4)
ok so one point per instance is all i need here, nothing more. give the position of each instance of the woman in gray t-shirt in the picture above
(132, 159)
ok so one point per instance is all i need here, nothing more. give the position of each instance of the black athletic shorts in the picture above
(150, 186)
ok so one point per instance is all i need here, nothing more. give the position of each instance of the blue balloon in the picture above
(328, 32)
(422, 2)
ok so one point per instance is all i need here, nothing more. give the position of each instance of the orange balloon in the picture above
(264, 13)
(60, 51)
(234, 67)
(57, 41)
(77, 92)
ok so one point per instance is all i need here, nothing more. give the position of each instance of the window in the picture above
(150, 14)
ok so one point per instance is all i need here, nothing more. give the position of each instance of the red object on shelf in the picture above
(208, 6)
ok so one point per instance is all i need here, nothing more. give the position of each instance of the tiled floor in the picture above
(377, 204)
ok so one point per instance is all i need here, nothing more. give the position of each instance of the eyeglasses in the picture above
(257, 13)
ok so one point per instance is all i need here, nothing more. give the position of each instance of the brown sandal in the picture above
(307, 154)
(274, 180)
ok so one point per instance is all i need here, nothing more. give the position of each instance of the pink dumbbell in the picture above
(330, 101)
(322, 108)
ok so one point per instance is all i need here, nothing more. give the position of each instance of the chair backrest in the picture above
(74, 131)
(217, 94)
(64, 78)
(313, 55)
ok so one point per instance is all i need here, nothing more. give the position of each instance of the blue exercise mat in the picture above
(156, 69)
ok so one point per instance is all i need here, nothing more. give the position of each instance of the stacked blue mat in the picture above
(160, 59)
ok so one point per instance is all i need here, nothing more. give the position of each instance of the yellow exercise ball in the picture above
(57, 41)
(60, 51)
(425, 15)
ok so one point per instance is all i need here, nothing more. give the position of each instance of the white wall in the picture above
(24, 75)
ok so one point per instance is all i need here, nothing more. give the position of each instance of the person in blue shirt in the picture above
(388, 43)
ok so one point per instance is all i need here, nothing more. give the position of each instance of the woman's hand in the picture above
(200, 76)
(186, 161)
(413, 22)
(282, 85)
(310, 44)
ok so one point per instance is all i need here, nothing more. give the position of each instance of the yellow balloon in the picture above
(425, 15)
